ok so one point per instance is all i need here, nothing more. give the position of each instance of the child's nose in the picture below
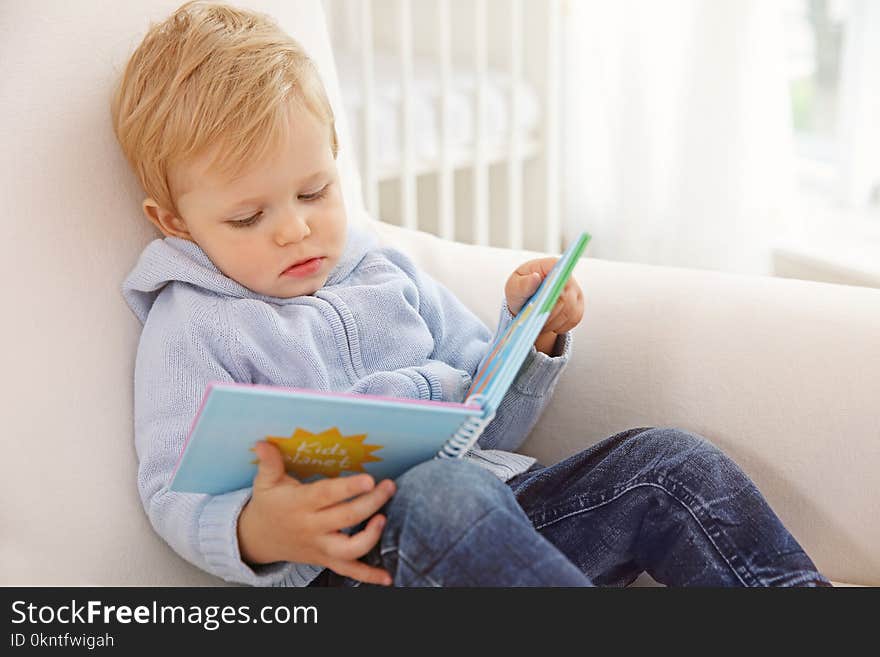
(293, 227)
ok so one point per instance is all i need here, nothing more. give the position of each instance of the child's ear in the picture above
(167, 222)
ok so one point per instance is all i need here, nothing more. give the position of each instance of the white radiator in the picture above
(454, 112)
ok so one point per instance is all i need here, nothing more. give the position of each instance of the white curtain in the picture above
(677, 131)
(860, 108)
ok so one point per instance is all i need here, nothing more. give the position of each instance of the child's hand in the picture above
(566, 314)
(286, 520)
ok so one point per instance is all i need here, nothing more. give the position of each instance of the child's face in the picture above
(292, 203)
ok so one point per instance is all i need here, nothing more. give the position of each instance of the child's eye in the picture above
(321, 193)
(250, 221)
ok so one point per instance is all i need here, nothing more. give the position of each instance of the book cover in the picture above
(328, 434)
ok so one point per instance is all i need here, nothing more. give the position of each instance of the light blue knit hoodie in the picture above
(379, 326)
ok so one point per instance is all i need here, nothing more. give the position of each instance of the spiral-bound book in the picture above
(328, 434)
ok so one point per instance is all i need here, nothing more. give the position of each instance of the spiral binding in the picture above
(467, 434)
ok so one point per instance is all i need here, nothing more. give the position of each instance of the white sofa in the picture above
(783, 375)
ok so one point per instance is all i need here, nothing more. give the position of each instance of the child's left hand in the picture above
(566, 314)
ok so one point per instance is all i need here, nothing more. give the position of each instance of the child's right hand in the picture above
(287, 520)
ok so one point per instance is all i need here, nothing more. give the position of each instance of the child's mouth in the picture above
(306, 268)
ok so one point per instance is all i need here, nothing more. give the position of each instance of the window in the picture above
(833, 61)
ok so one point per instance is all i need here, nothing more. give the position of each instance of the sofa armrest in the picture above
(781, 374)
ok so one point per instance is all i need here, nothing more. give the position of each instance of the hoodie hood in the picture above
(172, 259)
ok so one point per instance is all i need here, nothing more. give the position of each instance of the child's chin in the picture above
(303, 289)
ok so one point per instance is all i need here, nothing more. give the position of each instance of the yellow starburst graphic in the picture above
(328, 453)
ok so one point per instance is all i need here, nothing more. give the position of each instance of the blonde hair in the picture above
(211, 75)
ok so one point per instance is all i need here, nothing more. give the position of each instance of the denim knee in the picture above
(453, 523)
(669, 440)
(683, 455)
(451, 493)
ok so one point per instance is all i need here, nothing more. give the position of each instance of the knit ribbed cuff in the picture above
(539, 371)
(437, 381)
(504, 319)
(218, 540)
(423, 384)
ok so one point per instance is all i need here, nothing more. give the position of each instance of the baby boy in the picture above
(261, 280)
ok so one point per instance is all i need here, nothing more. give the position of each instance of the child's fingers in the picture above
(554, 314)
(575, 305)
(344, 547)
(559, 324)
(523, 286)
(528, 284)
(571, 299)
(270, 465)
(345, 550)
(541, 265)
(362, 572)
(570, 291)
(527, 287)
(327, 492)
(525, 280)
(356, 510)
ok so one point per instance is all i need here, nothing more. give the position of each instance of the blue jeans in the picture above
(660, 500)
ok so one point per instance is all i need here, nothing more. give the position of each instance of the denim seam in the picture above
(402, 557)
(434, 562)
(802, 579)
(685, 506)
